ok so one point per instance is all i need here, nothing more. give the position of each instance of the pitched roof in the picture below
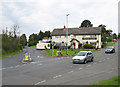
(77, 31)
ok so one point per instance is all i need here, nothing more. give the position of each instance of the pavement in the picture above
(46, 70)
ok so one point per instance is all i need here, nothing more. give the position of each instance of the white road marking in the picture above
(17, 66)
(33, 62)
(100, 61)
(108, 58)
(88, 65)
(40, 64)
(71, 72)
(3, 68)
(10, 67)
(38, 56)
(95, 63)
(40, 82)
(80, 68)
(57, 76)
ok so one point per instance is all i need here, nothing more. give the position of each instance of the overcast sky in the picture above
(35, 15)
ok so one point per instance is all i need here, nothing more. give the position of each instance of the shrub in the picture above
(79, 45)
(109, 39)
(103, 45)
(56, 47)
(69, 47)
(88, 46)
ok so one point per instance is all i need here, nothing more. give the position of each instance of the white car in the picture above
(83, 57)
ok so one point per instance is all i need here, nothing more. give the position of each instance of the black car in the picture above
(110, 49)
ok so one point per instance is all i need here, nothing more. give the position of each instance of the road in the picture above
(58, 70)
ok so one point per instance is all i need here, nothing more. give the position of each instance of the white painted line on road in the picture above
(0, 69)
(80, 68)
(3, 68)
(33, 62)
(38, 56)
(88, 65)
(95, 63)
(40, 82)
(37, 83)
(71, 72)
(11, 67)
(57, 76)
(108, 58)
(40, 64)
(17, 66)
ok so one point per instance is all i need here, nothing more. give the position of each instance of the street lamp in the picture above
(67, 32)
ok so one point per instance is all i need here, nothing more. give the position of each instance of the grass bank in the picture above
(49, 52)
(111, 81)
(10, 54)
(111, 43)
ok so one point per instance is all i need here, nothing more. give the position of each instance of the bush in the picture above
(56, 47)
(88, 46)
(109, 39)
(79, 45)
(69, 47)
(103, 45)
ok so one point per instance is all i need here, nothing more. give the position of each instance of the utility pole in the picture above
(67, 32)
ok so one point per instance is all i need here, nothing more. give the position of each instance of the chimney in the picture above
(64, 27)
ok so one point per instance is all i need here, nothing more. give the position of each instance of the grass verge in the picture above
(111, 43)
(49, 52)
(10, 54)
(111, 81)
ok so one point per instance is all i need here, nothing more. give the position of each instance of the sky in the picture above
(35, 15)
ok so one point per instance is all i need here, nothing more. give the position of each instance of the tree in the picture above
(40, 35)
(114, 36)
(32, 40)
(104, 39)
(103, 33)
(103, 27)
(108, 33)
(10, 40)
(23, 40)
(86, 23)
(119, 35)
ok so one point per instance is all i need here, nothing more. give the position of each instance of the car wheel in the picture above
(92, 59)
(85, 61)
(73, 62)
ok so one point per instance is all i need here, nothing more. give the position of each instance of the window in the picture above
(92, 36)
(83, 36)
(93, 43)
(57, 36)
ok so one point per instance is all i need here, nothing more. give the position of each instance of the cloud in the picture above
(44, 15)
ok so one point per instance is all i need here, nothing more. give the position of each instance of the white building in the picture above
(92, 35)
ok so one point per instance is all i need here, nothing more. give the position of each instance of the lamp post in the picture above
(67, 32)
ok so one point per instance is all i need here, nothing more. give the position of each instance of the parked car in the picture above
(83, 57)
(110, 49)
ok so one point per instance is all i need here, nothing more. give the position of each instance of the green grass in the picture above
(111, 43)
(70, 52)
(111, 81)
(10, 54)
(33, 46)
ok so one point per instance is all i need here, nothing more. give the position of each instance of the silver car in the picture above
(83, 57)
(110, 49)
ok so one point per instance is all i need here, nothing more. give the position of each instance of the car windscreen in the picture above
(81, 54)
(110, 48)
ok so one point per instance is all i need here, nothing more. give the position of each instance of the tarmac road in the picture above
(58, 71)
